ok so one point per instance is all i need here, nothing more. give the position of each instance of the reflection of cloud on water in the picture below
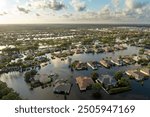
(10, 75)
(12, 79)
(57, 63)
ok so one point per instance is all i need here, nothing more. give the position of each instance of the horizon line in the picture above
(75, 23)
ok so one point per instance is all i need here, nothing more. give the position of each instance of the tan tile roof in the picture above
(84, 82)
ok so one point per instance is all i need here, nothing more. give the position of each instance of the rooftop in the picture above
(43, 78)
(84, 82)
(62, 86)
(146, 71)
(107, 80)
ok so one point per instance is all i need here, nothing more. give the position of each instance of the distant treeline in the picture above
(22, 27)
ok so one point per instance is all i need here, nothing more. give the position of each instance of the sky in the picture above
(75, 11)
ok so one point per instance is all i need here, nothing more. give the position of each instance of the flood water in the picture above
(16, 81)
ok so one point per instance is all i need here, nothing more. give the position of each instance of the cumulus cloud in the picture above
(29, 5)
(105, 10)
(136, 9)
(37, 14)
(132, 4)
(137, 5)
(114, 11)
(56, 5)
(37, 4)
(3, 13)
(116, 2)
(67, 15)
(78, 5)
(133, 11)
(52, 4)
(24, 10)
(129, 4)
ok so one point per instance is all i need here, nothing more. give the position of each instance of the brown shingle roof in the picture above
(84, 82)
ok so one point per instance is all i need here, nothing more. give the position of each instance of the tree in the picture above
(10, 51)
(11, 96)
(33, 72)
(123, 82)
(120, 57)
(7, 93)
(118, 75)
(94, 76)
(29, 75)
(96, 86)
(143, 62)
(141, 51)
(2, 85)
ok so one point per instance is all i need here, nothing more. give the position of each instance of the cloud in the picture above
(52, 4)
(67, 15)
(37, 14)
(129, 4)
(3, 13)
(56, 5)
(24, 10)
(116, 3)
(132, 4)
(137, 5)
(112, 11)
(78, 5)
(29, 5)
(105, 10)
(136, 9)
(132, 12)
